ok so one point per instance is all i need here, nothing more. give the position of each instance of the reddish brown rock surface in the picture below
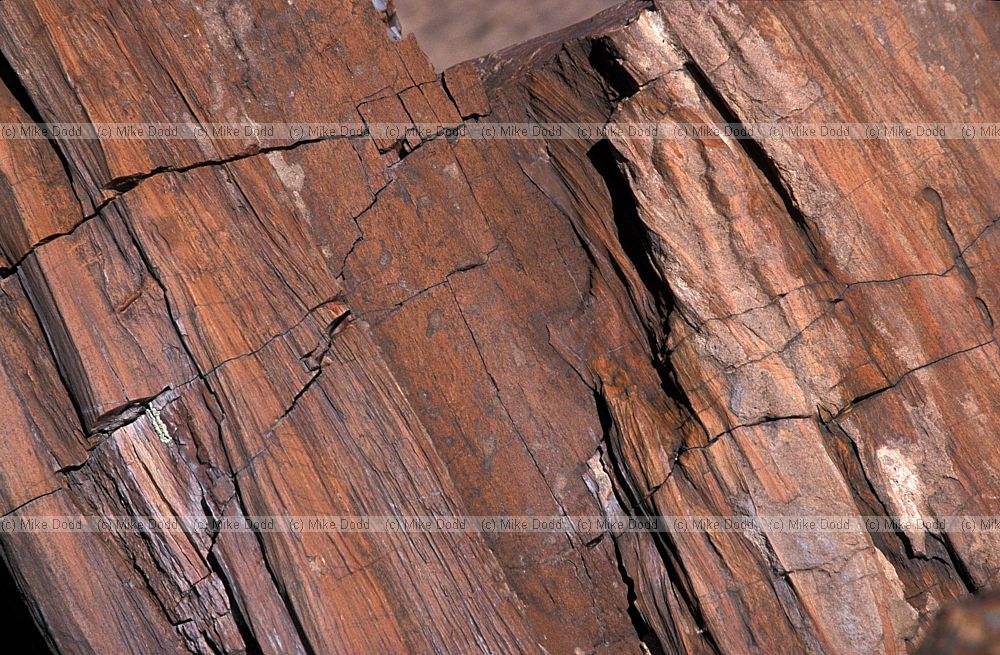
(615, 327)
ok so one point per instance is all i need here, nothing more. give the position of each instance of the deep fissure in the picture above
(758, 156)
(626, 496)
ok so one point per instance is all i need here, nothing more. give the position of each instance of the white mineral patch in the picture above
(906, 492)
(292, 178)
(604, 489)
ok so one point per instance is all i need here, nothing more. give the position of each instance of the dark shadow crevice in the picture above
(757, 155)
(10, 79)
(605, 59)
(18, 626)
(636, 243)
(627, 498)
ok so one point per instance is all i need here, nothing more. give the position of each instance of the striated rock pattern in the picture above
(618, 327)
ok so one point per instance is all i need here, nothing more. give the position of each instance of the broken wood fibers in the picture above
(623, 326)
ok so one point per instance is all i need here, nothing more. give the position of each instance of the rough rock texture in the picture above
(619, 327)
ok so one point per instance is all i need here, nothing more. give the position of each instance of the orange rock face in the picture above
(611, 326)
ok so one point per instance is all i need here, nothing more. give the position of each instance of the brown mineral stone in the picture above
(610, 325)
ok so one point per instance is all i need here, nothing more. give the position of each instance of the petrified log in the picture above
(610, 326)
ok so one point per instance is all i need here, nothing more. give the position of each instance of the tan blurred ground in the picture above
(451, 31)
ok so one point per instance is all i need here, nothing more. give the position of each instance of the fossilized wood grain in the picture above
(488, 327)
(816, 308)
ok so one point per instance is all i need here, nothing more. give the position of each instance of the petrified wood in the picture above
(617, 326)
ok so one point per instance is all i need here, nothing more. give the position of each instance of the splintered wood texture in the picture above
(621, 327)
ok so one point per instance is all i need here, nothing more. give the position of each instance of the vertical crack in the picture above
(292, 614)
(647, 636)
(958, 256)
(276, 581)
(958, 563)
(844, 454)
(638, 246)
(632, 234)
(665, 546)
(605, 59)
(246, 632)
(503, 406)
(757, 155)
(78, 410)
(11, 80)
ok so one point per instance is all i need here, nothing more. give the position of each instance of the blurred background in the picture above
(451, 31)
